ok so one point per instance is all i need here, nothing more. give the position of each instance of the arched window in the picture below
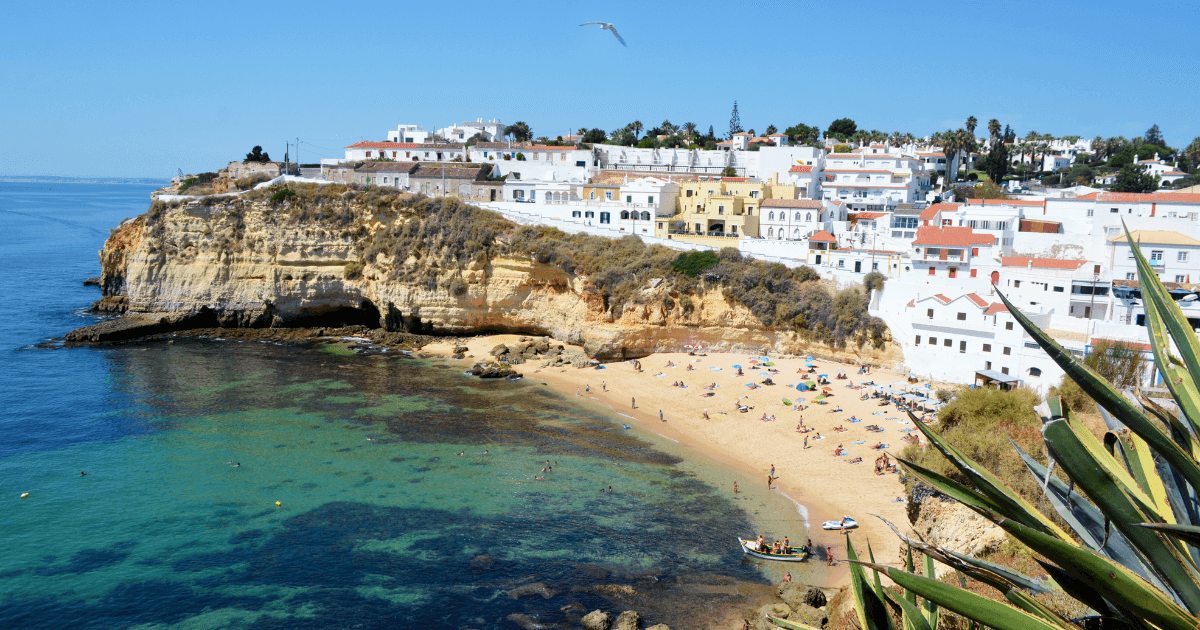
(1035, 372)
(772, 216)
(781, 233)
(645, 216)
(624, 214)
(797, 216)
(808, 217)
(796, 233)
(770, 231)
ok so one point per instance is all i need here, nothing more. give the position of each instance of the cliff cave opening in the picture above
(366, 314)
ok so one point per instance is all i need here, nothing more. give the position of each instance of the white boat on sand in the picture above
(750, 547)
(845, 523)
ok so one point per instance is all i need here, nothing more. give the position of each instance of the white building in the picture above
(402, 152)
(792, 219)
(767, 163)
(408, 133)
(489, 131)
(1175, 257)
(528, 161)
(876, 182)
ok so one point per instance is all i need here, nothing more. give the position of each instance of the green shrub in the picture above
(692, 263)
(281, 195)
(250, 181)
(874, 281)
(520, 157)
(353, 270)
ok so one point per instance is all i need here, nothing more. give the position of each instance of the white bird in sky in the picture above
(609, 27)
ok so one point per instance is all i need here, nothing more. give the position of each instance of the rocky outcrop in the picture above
(628, 620)
(248, 262)
(597, 620)
(951, 525)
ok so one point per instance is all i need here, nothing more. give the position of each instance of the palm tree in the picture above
(635, 127)
(952, 143)
(689, 130)
(971, 122)
(993, 129)
(1193, 152)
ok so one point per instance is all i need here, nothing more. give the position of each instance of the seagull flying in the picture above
(606, 26)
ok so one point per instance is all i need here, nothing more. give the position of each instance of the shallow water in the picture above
(381, 523)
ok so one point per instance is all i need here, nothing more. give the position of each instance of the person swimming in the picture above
(83, 474)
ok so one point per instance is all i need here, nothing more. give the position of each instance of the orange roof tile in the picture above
(870, 215)
(943, 299)
(932, 211)
(951, 237)
(823, 237)
(1005, 202)
(1144, 347)
(996, 307)
(912, 302)
(1142, 197)
(980, 302)
(1041, 263)
(800, 169)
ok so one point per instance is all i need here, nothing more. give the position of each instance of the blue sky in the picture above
(140, 89)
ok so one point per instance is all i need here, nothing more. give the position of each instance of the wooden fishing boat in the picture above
(749, 547)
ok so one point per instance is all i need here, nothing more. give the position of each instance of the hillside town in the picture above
(946, 220)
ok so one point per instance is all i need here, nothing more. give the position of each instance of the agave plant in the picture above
(1131, 550)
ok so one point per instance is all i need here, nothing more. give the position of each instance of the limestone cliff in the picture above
(332, 259)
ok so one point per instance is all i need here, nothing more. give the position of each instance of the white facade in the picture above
(404, 152)
(1175, 257)
(408, 133)
(792, 219)
(874, 181)
(490, 131)
(768, 162)
(538, 162)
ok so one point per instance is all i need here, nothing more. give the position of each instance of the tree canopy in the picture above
(593, 136)
(1154, 136)
(519, 130)
(735, 122)
(1134, 179)
(256, 155)
(841, 129)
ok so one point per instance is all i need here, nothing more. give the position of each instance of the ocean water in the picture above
(407, 492)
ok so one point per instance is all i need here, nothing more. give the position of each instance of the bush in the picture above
(520, 157)
(692, 263)
(729, 172)
(250, 181)
(353, 270)
(874, 281)
(203, 180)
(1073, 396)
(281, 195)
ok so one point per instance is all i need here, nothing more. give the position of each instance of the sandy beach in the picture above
(827, 485)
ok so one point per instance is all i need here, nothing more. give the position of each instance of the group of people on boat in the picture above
(780, 547)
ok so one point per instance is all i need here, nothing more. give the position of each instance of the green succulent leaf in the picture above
(1158, 299)
(872, 612)
(911, 612)
(790, 625)
(1187, 533)
(1025, 602)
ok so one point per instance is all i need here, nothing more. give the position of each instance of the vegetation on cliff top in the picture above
(433, 241)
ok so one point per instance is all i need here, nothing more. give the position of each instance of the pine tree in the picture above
(735, 122)
(710, 133)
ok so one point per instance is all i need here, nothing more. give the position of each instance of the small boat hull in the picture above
(848, 523)
(798, 555)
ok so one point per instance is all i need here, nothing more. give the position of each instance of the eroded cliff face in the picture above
(240, 263)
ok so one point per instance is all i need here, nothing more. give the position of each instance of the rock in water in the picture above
(527, 622)
(537, 588)
(795, 594)
(597, 620)
(628, 620)
(660, 626)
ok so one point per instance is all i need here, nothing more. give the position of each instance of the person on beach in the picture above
(706, 414)
(806, 441)
(735, 488)
(769, 479)
(83, 474)
(577, 391)
(787, 577)
(787, 545)
(633, 402)
(660, 416)
(604, 386)
(828, 557)
(587, 389)
(772, 470)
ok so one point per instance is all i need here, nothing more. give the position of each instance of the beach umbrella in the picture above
(594, 361)
(819, 397)
(737, 367)
(802, 387)
(810, 383)
(769, 364)
(823, 375)
(754, 360)
(810, 358)
(787, 402)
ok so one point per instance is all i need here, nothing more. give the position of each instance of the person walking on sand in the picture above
(604, 386)
(587, 389)
(577, 391)
(768, 482)
(735, 488)
(660, 416)
(772, 470)
(806, 441)
(633, 402)
(828, 557)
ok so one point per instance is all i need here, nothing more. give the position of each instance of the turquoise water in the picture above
(380, 523)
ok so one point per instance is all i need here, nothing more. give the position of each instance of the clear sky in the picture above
(140, 89)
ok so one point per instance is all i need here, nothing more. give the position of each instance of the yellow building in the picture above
(725, 207)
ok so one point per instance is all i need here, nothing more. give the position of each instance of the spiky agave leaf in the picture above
(872, 612)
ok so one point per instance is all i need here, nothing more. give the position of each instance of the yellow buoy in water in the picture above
(278, 503)
(24, 495)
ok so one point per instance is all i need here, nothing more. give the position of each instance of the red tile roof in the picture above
(1041, 263)
(943, 299)
(800, 169)
(823, 237)
(951, 237)
(980, 302)
(912, 302)
(996, 307)
(932, 211)
(1142, 198)
(870, 215)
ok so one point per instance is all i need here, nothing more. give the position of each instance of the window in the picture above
(385, 179)
(1008, 325)
(962, 317)
(1035, 372)
(771, 216)
(1178, 278)
(770, 231)
(948, 343)
(628, 198)
(797, 216)
(1007, 350)
(874, 266)
(575, 213)
(605, 217)
(1004, 370)
(918, 340)
(962, 347)
(592, 195)
(929, 313)
(841, 262)
(754, 194)
(1113, 211)
(608, 195)
(1058, 289)
(1090, 211)
(933, 341)
(1181, 257)
(589, 214)
(987, 347)
(987, 365)
(1016, 284)
(1156, 254)
(720, 209)
(932, 271)
(1131, 276)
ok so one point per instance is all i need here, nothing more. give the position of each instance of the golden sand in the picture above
(827, 485)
